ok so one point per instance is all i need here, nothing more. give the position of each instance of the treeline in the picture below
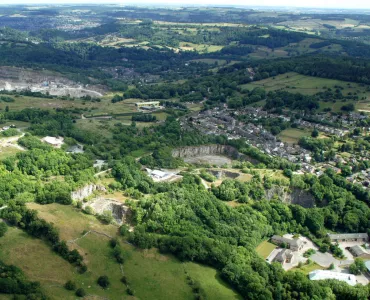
(337, 67)
(14, 282)
(17, 214)
(320, 45)
(143, 118)
(281, 99)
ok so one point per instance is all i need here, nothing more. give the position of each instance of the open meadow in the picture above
(151, 274)
(265, 248)
(308, 85)
(292, 135)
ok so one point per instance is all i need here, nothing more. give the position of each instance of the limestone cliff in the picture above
(120, 211)
(294, 196)
(86, 191)
(214, 149)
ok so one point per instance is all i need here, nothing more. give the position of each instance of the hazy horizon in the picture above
(333, 4)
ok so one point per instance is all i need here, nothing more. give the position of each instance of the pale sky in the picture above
(357, 4)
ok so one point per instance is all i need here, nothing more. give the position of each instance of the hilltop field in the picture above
(150, 274)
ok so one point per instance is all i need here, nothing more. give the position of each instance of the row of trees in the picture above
(19, 215)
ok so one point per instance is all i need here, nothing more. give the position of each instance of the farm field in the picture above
(292, 135)
(307, 85)
(310, 25)
(265, 248)
(23, 102)
(201, 48)
(265, 52)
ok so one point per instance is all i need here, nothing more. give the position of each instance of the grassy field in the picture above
(265, 52)
(309, 268)
(307, 85)
(104, 107)
(292, 135)
(8, 151)
(265, 248)
(23, 102)
(207, 277)
(277, 174)
(151, 274)
(201, 48)
(38, 262)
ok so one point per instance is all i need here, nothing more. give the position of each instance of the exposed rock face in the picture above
(223, 173)
(118, 209)
(215, 149)
(12, 78)
(295, 196)
(86, 191)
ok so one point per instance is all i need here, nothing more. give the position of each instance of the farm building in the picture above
(158, 174)
(358, 251)
(324, 274)
(292, 244)
(349, 237)
(284, 256)
(148, 105)
(56, 142)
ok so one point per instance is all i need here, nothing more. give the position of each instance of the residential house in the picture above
(292, 244)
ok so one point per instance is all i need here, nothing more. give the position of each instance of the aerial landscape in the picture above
(153, 151)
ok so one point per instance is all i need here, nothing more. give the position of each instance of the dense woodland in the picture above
(184, 218)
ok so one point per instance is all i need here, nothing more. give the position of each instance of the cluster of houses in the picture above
(220, 122)
(289, 246)
(362, 177)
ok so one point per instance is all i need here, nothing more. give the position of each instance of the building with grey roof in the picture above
(284, 256)
(292, 244)
(358, 251)
(349, 237)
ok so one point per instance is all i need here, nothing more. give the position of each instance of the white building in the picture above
(324, 274)
(56, 142)
(158, 174)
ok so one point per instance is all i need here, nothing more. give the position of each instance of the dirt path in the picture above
(102, 172)
(11, 142)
